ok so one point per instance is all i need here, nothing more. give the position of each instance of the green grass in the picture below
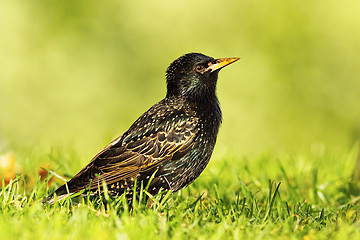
(269, 196)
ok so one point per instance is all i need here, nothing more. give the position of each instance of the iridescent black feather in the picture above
(174, 138)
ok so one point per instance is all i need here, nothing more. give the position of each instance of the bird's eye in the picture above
(199, 68)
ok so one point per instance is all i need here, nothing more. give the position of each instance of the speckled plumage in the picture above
(173, 139)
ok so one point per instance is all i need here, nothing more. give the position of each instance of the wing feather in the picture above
(121, 160)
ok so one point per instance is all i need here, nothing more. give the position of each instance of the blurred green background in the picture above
(78, 73)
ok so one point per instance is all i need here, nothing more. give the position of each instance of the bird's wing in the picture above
(125, 160)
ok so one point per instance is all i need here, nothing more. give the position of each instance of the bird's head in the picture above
(194, 75)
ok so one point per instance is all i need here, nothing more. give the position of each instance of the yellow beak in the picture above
(220, 63)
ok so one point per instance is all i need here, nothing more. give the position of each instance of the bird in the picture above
(169, 145)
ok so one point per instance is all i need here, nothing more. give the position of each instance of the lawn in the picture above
(312, 195)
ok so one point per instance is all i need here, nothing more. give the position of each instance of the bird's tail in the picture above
(61, 193)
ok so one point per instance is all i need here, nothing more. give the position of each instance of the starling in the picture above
(170, 144)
